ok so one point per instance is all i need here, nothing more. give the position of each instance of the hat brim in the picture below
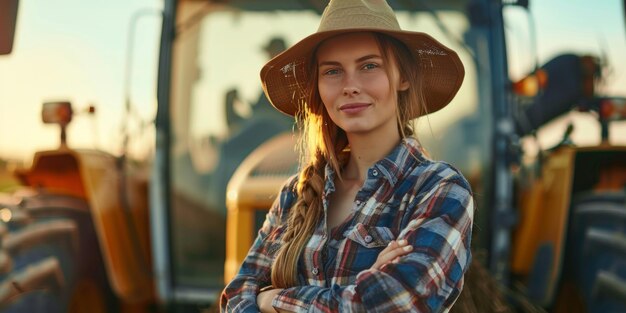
(283, 77)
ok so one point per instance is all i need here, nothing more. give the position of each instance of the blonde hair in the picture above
(322, 143)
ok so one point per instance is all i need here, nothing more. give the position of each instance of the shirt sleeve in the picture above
(429, 279)
(241, 293)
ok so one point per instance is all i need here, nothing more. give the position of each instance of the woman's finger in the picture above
(391, 255)
(400, 251)
(390, 247)
(391, 252)
(393, 245)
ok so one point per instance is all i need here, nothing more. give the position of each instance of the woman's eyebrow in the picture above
(328, 63)
(367, 57)
(361, 59)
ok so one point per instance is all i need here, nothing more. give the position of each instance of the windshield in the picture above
(219, 115)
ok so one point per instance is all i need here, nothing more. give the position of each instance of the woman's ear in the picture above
(404, 85)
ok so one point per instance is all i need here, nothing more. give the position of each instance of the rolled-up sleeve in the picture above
(429, 279)
(240, 294)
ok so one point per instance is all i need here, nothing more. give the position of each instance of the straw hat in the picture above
(284, 77)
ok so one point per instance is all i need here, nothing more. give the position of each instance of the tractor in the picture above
(89, 231)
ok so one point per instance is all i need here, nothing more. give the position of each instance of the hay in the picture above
(483, 294)
(480, 293)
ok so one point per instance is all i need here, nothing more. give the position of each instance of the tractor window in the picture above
(220, 115)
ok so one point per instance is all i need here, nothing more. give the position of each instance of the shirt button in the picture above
(315, 271)
(375, 172)
(368, 239)
(358, 202)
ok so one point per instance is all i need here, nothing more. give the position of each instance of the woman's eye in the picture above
(331, 72)
(370, 66)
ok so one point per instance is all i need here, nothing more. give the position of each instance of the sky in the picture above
(76, 50)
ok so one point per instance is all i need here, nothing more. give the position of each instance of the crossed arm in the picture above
(427, 278)
(390, 254)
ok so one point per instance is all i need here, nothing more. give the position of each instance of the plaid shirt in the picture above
(405, 196)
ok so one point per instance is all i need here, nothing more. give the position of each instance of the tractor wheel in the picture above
(42, 260)
(596, 257)
(52, 258)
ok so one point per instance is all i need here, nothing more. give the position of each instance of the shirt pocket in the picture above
(368, 241)
(370, 236)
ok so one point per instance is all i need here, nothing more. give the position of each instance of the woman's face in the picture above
(354, 85)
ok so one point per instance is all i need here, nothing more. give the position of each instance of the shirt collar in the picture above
(392, 167)
(400, 160)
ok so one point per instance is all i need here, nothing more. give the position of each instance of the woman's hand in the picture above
(391, 253)
(264, 300)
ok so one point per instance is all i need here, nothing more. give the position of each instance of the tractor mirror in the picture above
(8, 19)
(57, 113)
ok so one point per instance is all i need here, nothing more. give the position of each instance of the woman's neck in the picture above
(365, 150)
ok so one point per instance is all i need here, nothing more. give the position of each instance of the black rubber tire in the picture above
(596, 251)
(54, 229)
(37, 288)
(43, 258)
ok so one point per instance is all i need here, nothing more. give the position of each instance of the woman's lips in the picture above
(353, 108)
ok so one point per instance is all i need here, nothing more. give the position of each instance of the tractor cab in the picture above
(216, 117)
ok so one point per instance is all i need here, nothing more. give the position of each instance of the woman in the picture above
(369, 224)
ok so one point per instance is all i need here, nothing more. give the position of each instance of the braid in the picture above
(303, 219)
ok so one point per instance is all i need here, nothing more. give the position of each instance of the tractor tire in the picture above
(596, 251)
(50, 258)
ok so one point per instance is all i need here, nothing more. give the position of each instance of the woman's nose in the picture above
(351, 90)
(351, 83)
